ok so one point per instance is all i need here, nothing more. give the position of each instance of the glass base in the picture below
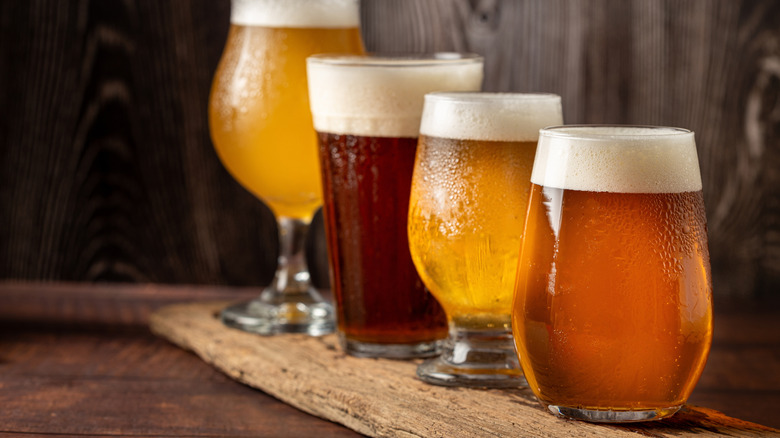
(440, 372)
(475, 359)
(612, 416)
(260, 316)
(389, 351)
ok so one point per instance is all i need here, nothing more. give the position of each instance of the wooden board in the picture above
(382, 398)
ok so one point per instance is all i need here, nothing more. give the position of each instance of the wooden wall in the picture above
(107, 172)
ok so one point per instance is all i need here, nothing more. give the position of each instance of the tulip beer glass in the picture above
(367, 113)
(467, 208)
(262, 131)
(612, 315)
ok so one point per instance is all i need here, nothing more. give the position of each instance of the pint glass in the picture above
(466, 214)
(367, 114)
(612, 315)
(262, 131)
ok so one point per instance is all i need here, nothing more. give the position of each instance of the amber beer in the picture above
(467, 208)
(367, 114)
(259, 111)
(612, 314)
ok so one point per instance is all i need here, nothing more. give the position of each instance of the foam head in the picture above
(490, 116)
(383, 96)
(621, 159)
(296, 13)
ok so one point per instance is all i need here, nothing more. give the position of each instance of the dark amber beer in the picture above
(367, 114)
(380, 297)
(612, 312)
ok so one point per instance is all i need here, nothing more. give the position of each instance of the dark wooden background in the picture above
(107, 172)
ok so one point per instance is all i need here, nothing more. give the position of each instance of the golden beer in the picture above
(466, 215)
(259, 109)
(262, 131)
(612, 315)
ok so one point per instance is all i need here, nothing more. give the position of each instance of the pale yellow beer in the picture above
(263, 132)
(466, 215)
(259, 110)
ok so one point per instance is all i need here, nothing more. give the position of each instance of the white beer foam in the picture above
(617, 159)
(382, 97)
(296, 13)
(490, 116)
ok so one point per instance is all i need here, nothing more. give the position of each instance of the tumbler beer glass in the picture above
(367, 114)
(262, 131)
(612, 315)
(467, 208)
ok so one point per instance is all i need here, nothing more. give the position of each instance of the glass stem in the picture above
(289, 304)
(292, 273)
(481, 346)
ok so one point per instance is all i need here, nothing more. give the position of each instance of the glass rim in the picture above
(395, 59)
(596, 132)
(481, 96)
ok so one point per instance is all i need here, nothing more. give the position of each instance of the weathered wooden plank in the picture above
(382, 398)
(741, 379)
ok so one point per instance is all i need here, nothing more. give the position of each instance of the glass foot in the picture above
(439, 372)
(314, 318)
(289, 304)
(612, 416)
(475, 359)
(389, 351)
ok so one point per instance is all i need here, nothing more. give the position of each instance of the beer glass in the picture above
(263, 133)
(367, 114)
(612, 315)
(466, 214)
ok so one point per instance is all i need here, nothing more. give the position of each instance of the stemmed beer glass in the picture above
(263, 133)
(466, 213)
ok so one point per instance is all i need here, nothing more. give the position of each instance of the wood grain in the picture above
(712, 67)
(107, 172)
(382, 398)
(101, 304)
(122, 382)
(74, 351)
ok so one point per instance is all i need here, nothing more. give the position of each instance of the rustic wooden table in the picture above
(78, 359)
